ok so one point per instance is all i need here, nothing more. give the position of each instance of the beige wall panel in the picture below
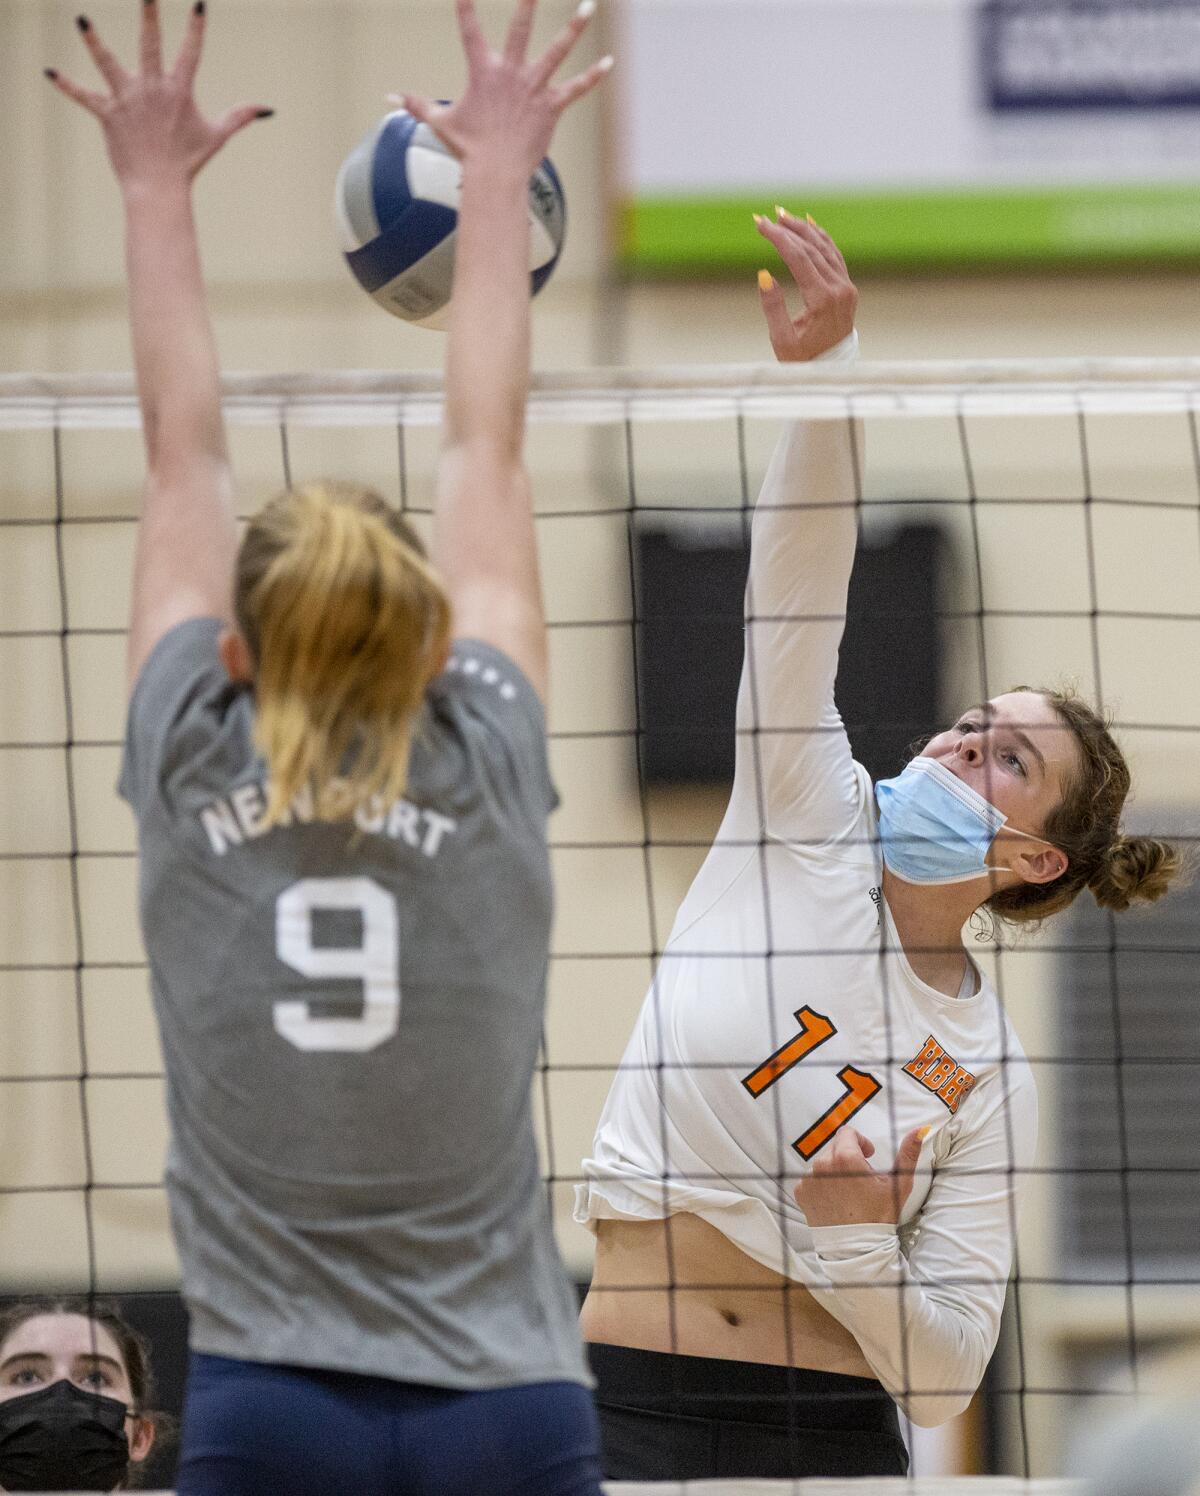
(1164, 768)
(33, 805)
(1147, 560)
(39, 921)
(26, 457)
(1143, 457)
(693, 322)
(119, 1026)
(256, 453)
(43, 1129)
(108, 897)
(103, 820)
(35, 713)
(1034, 559)
(572, 1100)
(369, 456)
(98, 561)
(683, 464)
(39, 1019)
(97, 668)
(1024, 651)
(592, 1008)
(591, 680)
(22, 59)
(30, 595)
(1029, 458)
(1135, 656)
(601, 902)
(129, 1136)
(565, 463)
(585, 562)
(920, 317)
(597, 783)
(913, 459)
(133, 1240)
(43, 1242)
(103, 470)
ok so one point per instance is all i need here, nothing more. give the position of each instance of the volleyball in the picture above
(396, 203)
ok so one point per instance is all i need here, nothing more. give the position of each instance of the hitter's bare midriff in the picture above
(680, 1285)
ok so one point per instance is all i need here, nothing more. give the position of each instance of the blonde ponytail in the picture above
(346, 622)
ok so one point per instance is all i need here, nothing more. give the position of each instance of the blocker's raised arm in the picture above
(483, 530)
(157, 142)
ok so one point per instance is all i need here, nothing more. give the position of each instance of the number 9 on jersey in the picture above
(374, 962)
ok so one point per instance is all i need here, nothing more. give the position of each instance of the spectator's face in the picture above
(71, 1348)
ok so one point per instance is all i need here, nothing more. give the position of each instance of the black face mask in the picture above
(61, 1438)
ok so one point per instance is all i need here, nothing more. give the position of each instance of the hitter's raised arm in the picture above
(794, 778)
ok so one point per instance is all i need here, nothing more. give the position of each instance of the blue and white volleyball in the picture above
(396, 203)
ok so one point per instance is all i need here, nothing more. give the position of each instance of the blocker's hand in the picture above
(510, 105)
(844, 1190)
(156, 135)
(830, 298)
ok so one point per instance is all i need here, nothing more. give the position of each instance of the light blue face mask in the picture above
(934, 828)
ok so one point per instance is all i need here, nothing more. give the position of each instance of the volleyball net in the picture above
(1020, 523)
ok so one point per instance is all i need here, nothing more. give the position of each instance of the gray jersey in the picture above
(350, 1017)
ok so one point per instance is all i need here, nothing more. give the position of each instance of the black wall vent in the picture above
(690, 583)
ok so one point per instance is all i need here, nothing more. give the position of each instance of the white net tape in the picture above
(977, 387)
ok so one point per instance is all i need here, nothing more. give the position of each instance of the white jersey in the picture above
(784, 1007)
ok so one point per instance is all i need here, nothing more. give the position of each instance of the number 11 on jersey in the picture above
(815, 1029)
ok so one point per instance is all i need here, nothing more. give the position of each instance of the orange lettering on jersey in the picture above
(931, 1050)
(956, 1088)
(860, 1087)
(815, 1028)
(940, 1073)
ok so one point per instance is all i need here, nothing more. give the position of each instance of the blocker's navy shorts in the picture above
(250, 1429)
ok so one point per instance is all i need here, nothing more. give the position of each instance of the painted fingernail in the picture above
(83, 23)
(199, 8)
(758, 220)
(587, 9)
(766, 281)
(263, 113)
(780, 212)
(51, 74)
(811, 219)
(922, 1132)
(605, 63)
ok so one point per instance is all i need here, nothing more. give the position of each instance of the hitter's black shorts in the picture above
(665, 1417)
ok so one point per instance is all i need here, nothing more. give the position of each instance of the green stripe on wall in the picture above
(913, 229)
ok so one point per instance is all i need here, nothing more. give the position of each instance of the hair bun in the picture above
(1136, 869)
